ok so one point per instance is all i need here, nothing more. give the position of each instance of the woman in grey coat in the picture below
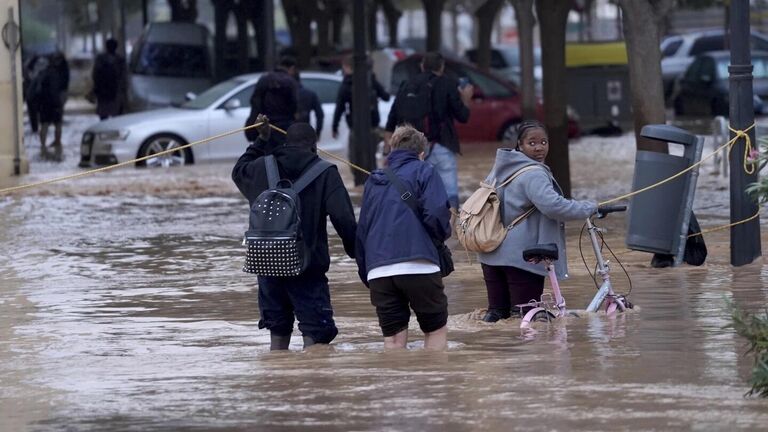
(508, 279)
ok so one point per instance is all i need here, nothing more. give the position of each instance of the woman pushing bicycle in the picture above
(508, 278)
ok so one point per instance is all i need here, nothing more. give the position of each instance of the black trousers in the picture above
(510, 286)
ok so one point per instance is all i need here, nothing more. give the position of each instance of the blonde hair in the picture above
(407, 137)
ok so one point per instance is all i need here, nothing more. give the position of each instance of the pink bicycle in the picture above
(547, 308)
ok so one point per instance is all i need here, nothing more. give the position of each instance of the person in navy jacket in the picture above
(395, 251)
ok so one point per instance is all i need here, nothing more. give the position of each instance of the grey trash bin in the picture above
(658, 218)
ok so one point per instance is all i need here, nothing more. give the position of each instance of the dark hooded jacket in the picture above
(326, 196)
(389, 232)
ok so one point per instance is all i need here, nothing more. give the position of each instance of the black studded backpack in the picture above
(274, 241)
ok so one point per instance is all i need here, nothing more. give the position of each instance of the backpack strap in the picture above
(311, 174)
(500, 193)
(273, 174)
(409, 199)
(517, 174)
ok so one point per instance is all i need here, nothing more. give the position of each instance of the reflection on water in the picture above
(123, 307)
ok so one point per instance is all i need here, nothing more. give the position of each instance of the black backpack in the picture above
(274, 240)
(415, 102)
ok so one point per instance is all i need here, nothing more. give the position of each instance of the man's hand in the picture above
(264, 129)
(466, 93)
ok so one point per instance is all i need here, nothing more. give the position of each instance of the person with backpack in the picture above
(109, 82)
(534, 199)
(406, 200)
(275, 95)
(315, 192)
(344, 107)
(431, 101)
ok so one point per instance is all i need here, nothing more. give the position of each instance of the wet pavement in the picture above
(123, 307)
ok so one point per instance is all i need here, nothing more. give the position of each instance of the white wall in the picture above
(7, 140)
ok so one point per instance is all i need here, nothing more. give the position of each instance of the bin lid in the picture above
(667, 133)
(595, 54)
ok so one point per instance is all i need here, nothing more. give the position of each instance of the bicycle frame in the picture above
(604, 270)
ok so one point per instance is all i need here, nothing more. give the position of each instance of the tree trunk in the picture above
(486, 17)
(433, 9)
(323, 20)
(299, 17)
(338, 12)
(526, 21)
(371, 9)
(183, 10)
(641, 32)
(243, 53)
(553, 16)
(392, 15)
(221, 10)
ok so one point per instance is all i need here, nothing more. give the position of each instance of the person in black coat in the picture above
(307, 295)
(109, 76)
(276, 95)
(309, 102)
(52, 97)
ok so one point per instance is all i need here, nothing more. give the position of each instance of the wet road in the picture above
(122, 307)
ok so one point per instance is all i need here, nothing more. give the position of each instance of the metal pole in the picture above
(11, 39)
(361, 151)
(144, 12)
(269, 34)
(745, 238)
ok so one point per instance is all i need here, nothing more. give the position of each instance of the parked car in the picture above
(496, 107)
(704, 88)
(168, 61)
(223, 107)
(677, 52)
(505, 61)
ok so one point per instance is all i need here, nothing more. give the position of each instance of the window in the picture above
(244, 96)
(486, 84)
(175, 60)
(707, 69)
(204, 99)
(671, 48)
(759, 44)
(325, 89)
(707, 44)
(693, 70)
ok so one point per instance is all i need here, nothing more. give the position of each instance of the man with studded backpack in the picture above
(297, 286)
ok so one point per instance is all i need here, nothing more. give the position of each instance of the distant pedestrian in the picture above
(431, 101)
(109, 82)
(33, 74)
(344, 107)
(275, 96)
(53, 95)
(396, 253)
(308, 103)
(306, 296)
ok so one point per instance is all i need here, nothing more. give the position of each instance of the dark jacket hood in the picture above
(395, 160)
(294, 159)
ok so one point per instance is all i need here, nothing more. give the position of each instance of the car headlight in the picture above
(113, 135)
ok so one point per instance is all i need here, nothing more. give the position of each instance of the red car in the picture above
(496, 107)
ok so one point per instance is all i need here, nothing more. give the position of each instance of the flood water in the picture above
(123, 307)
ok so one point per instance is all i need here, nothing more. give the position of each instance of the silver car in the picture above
(222, 108)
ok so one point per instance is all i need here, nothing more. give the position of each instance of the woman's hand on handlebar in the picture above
(602, 211)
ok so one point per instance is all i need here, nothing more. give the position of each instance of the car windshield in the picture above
(206, 98)
(176, 60)
(760, 70)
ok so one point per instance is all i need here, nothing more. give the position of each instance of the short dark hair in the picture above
(111, 45)
(432, 61)
(301, 134)
(287, 61)
(526, 126)
(407, 137)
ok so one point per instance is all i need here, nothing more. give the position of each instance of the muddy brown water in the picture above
(122, 307)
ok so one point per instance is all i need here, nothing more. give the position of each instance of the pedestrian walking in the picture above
(306, 296)
(344, 108)
(308, 103)
(109, 82)
(276, 97)
(52, 97)
(431, 101)
(509, 279)
(33, 73)
(396, 254)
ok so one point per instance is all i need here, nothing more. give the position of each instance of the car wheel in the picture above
(160, 143)
(508, 133)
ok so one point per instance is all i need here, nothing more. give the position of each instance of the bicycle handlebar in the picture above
(603, 211)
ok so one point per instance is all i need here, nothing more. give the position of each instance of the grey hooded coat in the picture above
(545, 225)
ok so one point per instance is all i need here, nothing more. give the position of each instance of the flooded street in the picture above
(123, 307)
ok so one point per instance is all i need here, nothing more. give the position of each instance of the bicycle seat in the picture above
(541, 252)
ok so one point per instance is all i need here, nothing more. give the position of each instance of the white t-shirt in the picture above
(403, 268)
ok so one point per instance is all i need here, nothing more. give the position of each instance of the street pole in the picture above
(11, 39)
(361, 151)
(745, 238)
(145, 12)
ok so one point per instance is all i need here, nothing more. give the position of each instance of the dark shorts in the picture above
(306, 297)
(424, 293)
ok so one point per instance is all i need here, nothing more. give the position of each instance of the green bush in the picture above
(754, 328)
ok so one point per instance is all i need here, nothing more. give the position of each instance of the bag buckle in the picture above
(405, 196)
